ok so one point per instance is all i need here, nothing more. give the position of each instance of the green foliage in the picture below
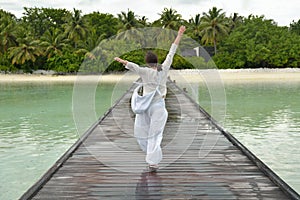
(193, 28)
(99, 60)
(128, 21)
(39, 20)
(8, 26)
(259, 43)
(69, 42)
(53, 42)
(295, 27)
(169, 18)
(76, 29)
(5, 64)
(103, 25)
(27, 51)
(68, 62)
(181, 63)
(196, 62)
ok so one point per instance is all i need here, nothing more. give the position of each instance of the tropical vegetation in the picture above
(69, 42)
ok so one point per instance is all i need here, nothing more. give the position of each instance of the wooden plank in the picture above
(92, 169)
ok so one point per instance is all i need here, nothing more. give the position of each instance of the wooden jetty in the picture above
(201, 161)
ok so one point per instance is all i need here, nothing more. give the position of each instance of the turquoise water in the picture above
(265, 117)
(37, 127)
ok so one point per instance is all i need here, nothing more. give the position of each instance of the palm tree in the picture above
(7, 33)
(235, 21)
(194, 27)
(129, 25)
(169, 18)
(92, 41)
(129, 20)
(295, 27)
(53, 41)
(25, 52)
(76, 28)
(144, 21)
(214, 25)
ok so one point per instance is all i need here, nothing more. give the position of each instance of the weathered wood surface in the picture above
(199, 162)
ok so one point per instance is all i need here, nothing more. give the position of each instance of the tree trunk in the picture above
(215, 46)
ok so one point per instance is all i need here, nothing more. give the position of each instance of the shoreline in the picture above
(228, 75)
(245, 75)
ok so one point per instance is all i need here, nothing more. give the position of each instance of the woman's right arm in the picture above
(120, 60)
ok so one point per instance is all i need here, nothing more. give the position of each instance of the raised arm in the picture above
(179, 35)
(169, 59)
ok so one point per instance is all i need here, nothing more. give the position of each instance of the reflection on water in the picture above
(265, 117)
(149, 186)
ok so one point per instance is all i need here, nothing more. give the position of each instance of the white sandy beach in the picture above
(230, 75)
(244, 75)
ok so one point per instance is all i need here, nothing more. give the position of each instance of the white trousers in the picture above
(148, 129)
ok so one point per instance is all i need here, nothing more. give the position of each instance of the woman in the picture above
(149, 126)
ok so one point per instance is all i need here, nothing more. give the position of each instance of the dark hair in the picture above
(152, 61)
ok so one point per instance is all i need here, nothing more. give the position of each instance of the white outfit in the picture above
(149, 126)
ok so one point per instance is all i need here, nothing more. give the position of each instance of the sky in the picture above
(282, 12)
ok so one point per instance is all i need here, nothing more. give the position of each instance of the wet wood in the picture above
(201, 161)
